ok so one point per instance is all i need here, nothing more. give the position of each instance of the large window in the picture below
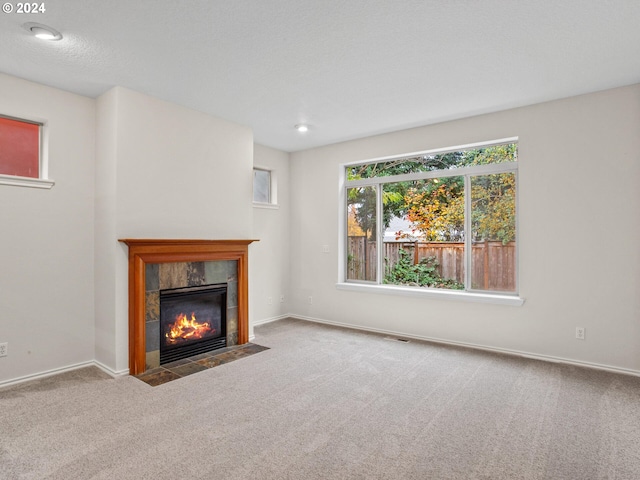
(437, 220)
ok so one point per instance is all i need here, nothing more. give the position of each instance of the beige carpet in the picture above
(329, 403)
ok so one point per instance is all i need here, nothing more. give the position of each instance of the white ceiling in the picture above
(349, 68)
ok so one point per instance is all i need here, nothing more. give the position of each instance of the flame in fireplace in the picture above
(186, 329)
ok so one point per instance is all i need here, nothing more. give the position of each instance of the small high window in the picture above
(21, 153)
(19, 148)
(264, 187)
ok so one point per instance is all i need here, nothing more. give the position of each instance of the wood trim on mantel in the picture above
(143, 251)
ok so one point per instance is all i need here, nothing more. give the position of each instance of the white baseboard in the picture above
(534, 356)
(107, 370)
(56, 371)
(269, 320)
(100, 365)
(45, 374)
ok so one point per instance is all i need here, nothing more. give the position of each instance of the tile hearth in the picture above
(187, 366)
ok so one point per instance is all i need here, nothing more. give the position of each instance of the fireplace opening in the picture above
(193, 320)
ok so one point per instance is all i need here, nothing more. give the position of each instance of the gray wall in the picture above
(269, 258)
(46, 268)
(126, 165)
(579, 171)
(166, 172)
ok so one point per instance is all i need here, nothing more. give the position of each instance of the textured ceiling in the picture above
(349, 68)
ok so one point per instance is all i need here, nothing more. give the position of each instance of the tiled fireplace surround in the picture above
(160, 276)
(157, 264)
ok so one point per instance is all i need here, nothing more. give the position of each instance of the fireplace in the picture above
(146, 254)
(193, 320)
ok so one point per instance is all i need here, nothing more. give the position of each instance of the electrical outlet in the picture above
(281, 298)
(580, 331)
(270, 300)
(325, 249)
(3, 349)
(310, 300)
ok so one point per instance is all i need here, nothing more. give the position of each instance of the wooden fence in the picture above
(493, 264)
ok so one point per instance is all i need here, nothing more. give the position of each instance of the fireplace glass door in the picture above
(192, 321)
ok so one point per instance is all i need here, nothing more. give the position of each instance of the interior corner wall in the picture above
(105, 229)
(170, 172)
(579, 231)
(46, 280)
(269, 258)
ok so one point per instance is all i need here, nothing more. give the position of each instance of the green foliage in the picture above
(436, 206)
(361, 203)
(393, 195)
(401, 166)
(441, 161)
(489, 155)
(423, 274)
(493, 207)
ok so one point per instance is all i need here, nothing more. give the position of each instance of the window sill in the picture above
(26, 182)
(456, 295)
(269, 206)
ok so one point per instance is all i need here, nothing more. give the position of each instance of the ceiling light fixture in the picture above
(302, 128)
(43, 32)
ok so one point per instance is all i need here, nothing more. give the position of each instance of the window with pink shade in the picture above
(19, 148)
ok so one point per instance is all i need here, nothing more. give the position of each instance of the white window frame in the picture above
(377, 182)
(273, 189)
(43, 181)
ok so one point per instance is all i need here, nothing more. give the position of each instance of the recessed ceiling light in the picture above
(43, 32)
(302, 128)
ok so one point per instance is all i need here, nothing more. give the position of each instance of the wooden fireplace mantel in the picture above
(143, 251)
